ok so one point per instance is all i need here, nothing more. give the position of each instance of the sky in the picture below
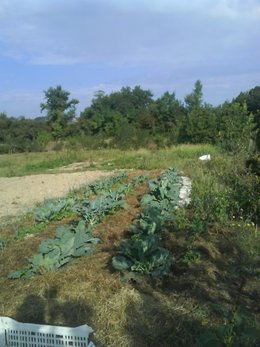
(160, 45)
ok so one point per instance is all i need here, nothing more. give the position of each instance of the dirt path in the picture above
(19, 194)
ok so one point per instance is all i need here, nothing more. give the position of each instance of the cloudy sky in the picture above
(161, 45)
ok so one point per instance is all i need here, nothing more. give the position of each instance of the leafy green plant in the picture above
(70, 242)
(3, 244)
(101, 186)
(125, 188)
(94, 210)
(163, 198)
(191, 256)
(56, 209)
(238, 329)
(244, 194)
(140, 179)
(53, 210)
(166, 187)
(142, 254)
(150, 221)
(209, 204)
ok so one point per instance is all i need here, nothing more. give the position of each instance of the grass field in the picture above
(33, 163)
(209, 298)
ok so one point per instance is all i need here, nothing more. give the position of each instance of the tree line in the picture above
(133, 118)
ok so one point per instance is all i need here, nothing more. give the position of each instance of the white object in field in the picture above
(205, 157)
(185, 191)
(15, 334)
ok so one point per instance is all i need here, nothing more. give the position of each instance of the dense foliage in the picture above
(22, 135)
(60, 110)
(133, 118)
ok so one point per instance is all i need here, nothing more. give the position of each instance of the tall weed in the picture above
(210, 202)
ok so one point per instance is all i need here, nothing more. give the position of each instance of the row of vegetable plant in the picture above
(57, 209)
(72, 241)
(143, 252)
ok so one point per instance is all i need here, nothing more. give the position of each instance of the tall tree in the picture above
(168, 112)
(105, 111)
(60, 110)
(195, 99)
(195, 125)
(252, 99)
(235, 126)
(201, 125)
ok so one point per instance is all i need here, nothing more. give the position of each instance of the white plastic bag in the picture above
(205, 157)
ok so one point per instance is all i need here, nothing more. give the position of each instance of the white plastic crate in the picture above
(15, 334)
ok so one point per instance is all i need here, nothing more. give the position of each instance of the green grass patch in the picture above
(31, 229)
(22, 164)
(33, 163)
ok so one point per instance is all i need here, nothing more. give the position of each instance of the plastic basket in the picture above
(15, 334)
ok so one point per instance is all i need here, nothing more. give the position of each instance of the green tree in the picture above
(195, 99)
(130, 103)
(235, 126)
(20, 134)
(60, 110)
(201, 125)
(105, 111)
(252, 99)
(200, 121)
(168, 113)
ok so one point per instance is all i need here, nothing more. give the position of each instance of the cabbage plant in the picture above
(143, 252)
(70, 242)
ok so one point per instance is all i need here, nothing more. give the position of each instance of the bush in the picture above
(210, 204)
(244, 194)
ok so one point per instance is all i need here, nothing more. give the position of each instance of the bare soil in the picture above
(20, 194)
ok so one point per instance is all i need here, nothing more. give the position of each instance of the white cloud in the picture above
(161, 45)
(121, 32)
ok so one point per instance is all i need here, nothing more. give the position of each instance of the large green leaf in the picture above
(46, 246)
(62, 231)
(66, 245)
(15, 274)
